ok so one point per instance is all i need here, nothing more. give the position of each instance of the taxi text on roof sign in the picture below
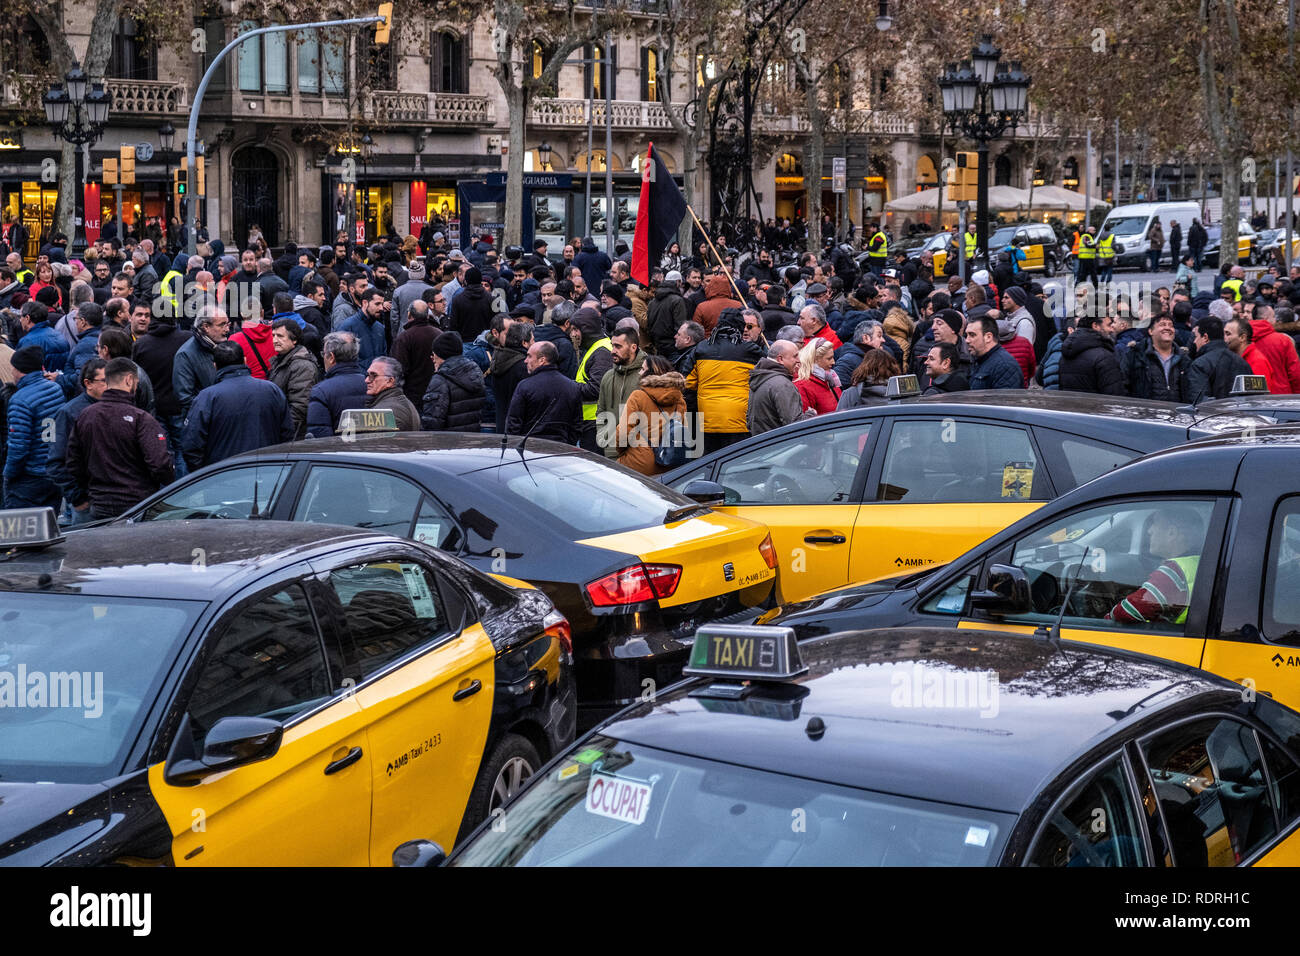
(745, 651)
(355, 421)
(28, 528)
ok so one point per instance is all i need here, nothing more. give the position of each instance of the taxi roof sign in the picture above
(745, 652)
(29, 528)
(1249, 385)
(358, 421)
(902, 386)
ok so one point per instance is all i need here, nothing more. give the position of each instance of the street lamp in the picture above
(982, 97)
(166, 140)
(544, 156)
(77, 116)
(883, 20)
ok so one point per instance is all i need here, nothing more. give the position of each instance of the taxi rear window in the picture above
(586, 498)
(616, 804)
(77, 675)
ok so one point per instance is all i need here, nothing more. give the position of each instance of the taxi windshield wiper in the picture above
(685, 511)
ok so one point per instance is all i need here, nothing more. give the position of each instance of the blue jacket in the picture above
(343, 387)
(55, 467)
(1049, 369)
(54, 345)
(479, 351)
(87, 348)
(594, 266)
(193, 369)
(996, 369)
(234, 414)
(370, 337)
(847, 359)
(32, 409)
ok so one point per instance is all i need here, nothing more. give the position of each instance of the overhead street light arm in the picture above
(193, 131)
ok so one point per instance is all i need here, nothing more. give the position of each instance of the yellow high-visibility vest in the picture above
(1106, 247)
(1087, 247)
(589, 408)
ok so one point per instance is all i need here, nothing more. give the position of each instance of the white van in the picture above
(1130, 225)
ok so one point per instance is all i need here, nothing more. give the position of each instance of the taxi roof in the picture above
(451, 452)
(1048, 707)
(169, 559)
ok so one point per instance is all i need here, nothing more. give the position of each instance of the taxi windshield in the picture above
(77, 675)
(618, 804)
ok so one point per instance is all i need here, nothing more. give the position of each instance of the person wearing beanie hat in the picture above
(1022, 322)
(410, 291)
(35, 401)
(457, 394)
(38, 330)
(1019, 348)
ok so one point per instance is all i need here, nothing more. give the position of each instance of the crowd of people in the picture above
(127, 368)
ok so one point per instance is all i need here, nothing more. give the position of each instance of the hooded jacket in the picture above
(470, 313)
(295, 372)
(549, 332)
(773, 399)
(776, 317)
(643, 420)
(455, 398)
(34, 400)
(505, 373)
(717, 296)
(593, 264)
(54, 347)
(236, 413)
(1144, 373)
(155, 352)
(616, 387)
(666, 313)
(1280, 352)
(193, 369)
(863, 395)
(309, 312)
(413, 347)
(718, 372)
(1088, 364)
(259, 351)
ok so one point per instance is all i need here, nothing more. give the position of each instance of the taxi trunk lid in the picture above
(718, 553)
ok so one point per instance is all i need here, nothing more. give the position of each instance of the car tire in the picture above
(1049, 265)
(513, 760)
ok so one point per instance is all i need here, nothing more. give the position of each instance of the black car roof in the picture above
(1053, 705)
(170, 559)
(451, 452)
(1244, 403)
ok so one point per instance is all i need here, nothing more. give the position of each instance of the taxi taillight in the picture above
(635, 585)
(768, 551)
(557, 625)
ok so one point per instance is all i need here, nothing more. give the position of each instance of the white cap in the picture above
(437, 236)
(673, 276)
(980, 277)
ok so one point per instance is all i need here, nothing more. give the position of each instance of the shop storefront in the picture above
(373, 207)
(32, 204)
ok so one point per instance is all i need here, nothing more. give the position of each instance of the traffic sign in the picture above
(144, 152)
(839, 175)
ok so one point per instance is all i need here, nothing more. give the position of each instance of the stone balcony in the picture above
(130, 97)
(433, 109)
(878, 123)
(625, 114)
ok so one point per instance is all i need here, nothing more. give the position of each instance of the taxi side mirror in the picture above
(232, 742)
(705, 492)
(1007, 591)
(419, 853)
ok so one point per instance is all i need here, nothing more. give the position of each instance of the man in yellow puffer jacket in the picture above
(718, 372)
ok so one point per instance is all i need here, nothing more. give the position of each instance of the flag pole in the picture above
(740, 298)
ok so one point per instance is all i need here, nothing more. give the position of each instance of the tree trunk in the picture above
(515, 168)
(1231, 203)
(690, 173)
(812, 177)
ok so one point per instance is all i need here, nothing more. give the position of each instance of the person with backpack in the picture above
(645, 433)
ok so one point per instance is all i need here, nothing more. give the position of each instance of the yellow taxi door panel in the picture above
(1266, 668)
(804, 487)
(940, 259)
(425, 693)
(1285, 853)
(1033, 257)
(893, 539)
(1184, 650)
(427, 745)
(283, 811)
(811, 542)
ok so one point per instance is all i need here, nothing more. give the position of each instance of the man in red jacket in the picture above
(1237, 335)
(1278, 349)
(1017, 346)
(259, 350)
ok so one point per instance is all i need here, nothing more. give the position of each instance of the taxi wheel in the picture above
(502, 775)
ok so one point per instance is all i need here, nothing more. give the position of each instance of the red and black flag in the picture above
(658, 216)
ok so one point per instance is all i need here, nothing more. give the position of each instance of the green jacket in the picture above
(615, 389)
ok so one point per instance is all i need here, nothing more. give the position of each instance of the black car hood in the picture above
(32, 813)
(845, 599)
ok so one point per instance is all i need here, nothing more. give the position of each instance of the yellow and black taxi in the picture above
(1190, 554)
(859, 494)
(1282, 409)
(632, 565)
(917, 747)
(1037, 240)
(255, 693)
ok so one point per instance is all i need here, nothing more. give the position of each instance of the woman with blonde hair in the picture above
(817, 383)
(899, 327)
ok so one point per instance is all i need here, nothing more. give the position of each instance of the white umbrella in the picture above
(1008, 197)
(1054, 197)
(927, 200)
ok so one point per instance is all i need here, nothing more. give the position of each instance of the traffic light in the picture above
(963, 178)
(126, 166)
(200, 188)
(384, 30)
(110, 172)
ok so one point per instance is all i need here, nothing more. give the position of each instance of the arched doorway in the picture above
(1002, 171)
(255, 194)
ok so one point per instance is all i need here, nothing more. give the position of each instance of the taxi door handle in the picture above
(474, 687)
(824, 539)
(352, 757)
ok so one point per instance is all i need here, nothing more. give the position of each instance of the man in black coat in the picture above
(236, 413)
(1212, 371)
(1088, 362)
(776, 314)
(343, 387)
(1156, 367)
(471, 309)
(457, 393)
(155, 352)
(546, 404)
